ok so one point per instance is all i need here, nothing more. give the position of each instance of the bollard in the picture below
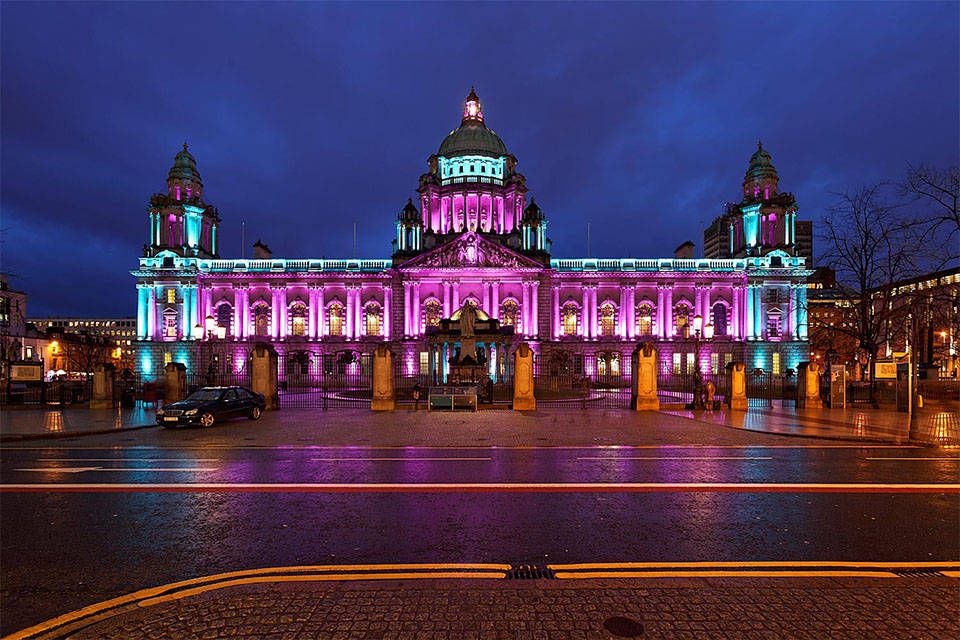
(175, 378)
(263, 374)
(738, 386)
(523, 398)
(102, 386)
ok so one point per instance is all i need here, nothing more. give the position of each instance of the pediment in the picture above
(471, 250)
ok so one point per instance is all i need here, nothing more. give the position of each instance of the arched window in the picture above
(608, 319)
(681, 320)
(372, 319)
(298, 319)
(431, 313)
(719, 320)
(510, 313)
(570, 314)
(170, 324)
(261, 320)
(335, 319)
(644, 319)
(224, 316)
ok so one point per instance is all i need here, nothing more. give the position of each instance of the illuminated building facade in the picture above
(472, 236)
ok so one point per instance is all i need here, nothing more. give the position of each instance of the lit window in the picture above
(167, 358)
(373, 319)
(676, 363)
(424, 363)
(719, 320)
(645, 319)
(691, 363)
(570, 315)
(261, 320)
(775, 364)
(681, 320)
(298, 319)
(608, 321)
(510, 313)
(170, 326)
(171, 296)
(431, 313)
(714, 363)
(335, 319)
(774, 324)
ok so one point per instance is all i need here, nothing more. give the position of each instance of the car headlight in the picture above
(190, 412)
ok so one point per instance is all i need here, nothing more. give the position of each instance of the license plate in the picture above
(169, 419)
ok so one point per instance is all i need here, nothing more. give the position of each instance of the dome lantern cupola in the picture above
(472, 109)
(761, 178)
(183, 180)
(409, 230)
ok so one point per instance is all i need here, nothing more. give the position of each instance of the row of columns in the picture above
(414, 324)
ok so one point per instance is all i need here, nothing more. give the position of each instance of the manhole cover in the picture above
(623, 627)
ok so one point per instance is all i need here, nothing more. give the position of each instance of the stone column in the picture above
(185, 327)
(758, 324)
(496, 301)
(349, 311)
(698, 302)
(456, 297)
(416, 308)
(738, 386)
(644, 378)
(622, 313)
(102, 397)
(275, 312)
(555, 314)
(263, 373)
(143, 310)
(808, 386)
(735, 293)
(668, 311)
(523, 398)
(406, 309)
(175, 381)
(793, 328)
(383, 393)
(284, 324)
(321, 312)
(387, 294)
(446, 299)
(486, 298)
(312, 312)
(237, 329)
(525, 309)
(358, 327)
(534, 309)
(661, 328)
(802, 312)
(631, 312)
(707, 302)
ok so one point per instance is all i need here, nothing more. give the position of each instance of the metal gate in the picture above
(765, 390)
(572, 381)
(322, 381)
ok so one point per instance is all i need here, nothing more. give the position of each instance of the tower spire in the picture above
(472, 109)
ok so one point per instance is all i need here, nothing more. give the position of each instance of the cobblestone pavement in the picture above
(802, 608)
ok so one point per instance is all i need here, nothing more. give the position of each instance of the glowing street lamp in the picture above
(197, 331)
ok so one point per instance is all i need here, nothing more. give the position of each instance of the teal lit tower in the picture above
(180, 221)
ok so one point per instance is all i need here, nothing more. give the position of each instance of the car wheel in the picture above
(206, 420)
(255, 413)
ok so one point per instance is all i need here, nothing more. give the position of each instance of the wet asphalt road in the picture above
(63, 550)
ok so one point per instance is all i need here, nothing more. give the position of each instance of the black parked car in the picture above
(209, 404)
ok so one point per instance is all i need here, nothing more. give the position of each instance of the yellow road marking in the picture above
(754, 563)
(470, 570)
(326, 577)
(724, 574)
(951, 574)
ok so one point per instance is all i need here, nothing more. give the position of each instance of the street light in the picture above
(706, 332)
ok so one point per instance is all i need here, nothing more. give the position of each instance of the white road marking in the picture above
(904, 458)
(488, 487)
(388, 459)
(127, 459)
(681, 458)
(82, 469)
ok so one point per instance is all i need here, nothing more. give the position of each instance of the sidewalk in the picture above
(861, 424)
(682, 608)
(51, 422)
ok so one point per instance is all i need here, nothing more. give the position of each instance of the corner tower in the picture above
(473, 185)
(180, 221)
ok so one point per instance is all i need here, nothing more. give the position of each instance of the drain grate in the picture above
(530, 572)
(919, 573)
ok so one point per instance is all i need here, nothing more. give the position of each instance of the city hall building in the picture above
(473, 235)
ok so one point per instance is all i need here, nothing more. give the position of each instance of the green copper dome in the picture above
(472, 137)
(184, 166)
(760, 165)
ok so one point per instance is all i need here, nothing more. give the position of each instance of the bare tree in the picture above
(869, 247)
(939, 190)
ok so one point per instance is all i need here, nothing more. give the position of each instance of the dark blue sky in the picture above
(307, 118)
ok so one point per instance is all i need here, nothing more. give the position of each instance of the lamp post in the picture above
(700, 332)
